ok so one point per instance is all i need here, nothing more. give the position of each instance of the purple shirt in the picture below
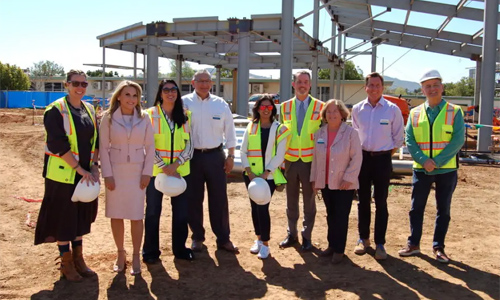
(381, 127)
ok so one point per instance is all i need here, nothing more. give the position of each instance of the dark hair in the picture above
(178, 115)
(74, 72)
(373, 75)
(297, 74)
(255, 109)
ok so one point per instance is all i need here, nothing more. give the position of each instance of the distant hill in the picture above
(410, 85)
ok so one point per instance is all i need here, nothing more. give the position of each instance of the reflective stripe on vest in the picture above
(432, 143)
(57, 168)
(301, 144)
(163, 140)
(254, 153)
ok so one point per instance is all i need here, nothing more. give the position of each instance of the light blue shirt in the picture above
(450, 151)
(380, 127)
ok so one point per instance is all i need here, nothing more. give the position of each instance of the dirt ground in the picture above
(28, 271)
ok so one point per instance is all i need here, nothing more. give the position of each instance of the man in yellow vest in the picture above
(301, 115)
(434, 136)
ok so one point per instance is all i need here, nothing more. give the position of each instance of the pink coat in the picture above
(116, 147)
(345, 158)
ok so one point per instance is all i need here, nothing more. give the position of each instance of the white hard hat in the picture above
(170, 185)
(259, 191)
(84, 193)
(430, 74)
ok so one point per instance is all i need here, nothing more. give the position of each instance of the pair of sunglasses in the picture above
(84, 84)
(167, 90)
(264, 107)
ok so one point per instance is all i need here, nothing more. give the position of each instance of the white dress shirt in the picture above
(212, 121)
(381, 127)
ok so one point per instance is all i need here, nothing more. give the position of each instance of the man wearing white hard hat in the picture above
(434, 136)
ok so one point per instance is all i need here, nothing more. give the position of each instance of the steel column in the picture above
(152, 71)
(243, 72)
(477, 88)
(314, 64)
(286, 49)
(178, 71)
(488, 73)
(217, 80)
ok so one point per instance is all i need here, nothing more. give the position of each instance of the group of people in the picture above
(309, 150)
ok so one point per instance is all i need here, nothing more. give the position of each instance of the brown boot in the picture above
(80, 265)
(68, 268)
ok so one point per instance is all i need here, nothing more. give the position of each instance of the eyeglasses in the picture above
(84, 84)
(167, 90)
(204, 81)
(264, 107)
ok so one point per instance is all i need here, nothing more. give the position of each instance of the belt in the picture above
(208, 150)
(377, 153)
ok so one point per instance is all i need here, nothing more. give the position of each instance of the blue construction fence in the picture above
(26, 99)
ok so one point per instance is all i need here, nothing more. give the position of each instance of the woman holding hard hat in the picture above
(335, 168)
(127, 154)
(262, 153)
(171, 127)
(71, 153)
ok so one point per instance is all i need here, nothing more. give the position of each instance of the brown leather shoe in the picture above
(80, 265)
(67, 268)
(229, 247)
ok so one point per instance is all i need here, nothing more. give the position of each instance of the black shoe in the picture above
(306, 245)
(289, 241)
(187, 254)
(327, 252)
(151, 261)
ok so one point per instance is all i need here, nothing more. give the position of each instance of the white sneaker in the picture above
(264, 252)
(256, 247)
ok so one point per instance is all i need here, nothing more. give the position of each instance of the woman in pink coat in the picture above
(127, 143)
(335, 168)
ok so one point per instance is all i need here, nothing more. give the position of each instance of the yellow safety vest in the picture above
(432, 139)
(254, 155)
(301, 144)
(169, 149)
(58, 169)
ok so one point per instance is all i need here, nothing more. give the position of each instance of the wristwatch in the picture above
(230, 156)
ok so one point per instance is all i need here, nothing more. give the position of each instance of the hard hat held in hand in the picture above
(84, 193)
(170, 185)
(259, 191)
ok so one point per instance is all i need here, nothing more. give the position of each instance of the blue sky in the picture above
(66, 31)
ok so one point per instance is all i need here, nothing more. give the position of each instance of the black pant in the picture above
(154, 198)
(338, 207)
(260, 213)
(377, 170)
(208, 167)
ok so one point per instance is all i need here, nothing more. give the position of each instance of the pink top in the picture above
(331, 138)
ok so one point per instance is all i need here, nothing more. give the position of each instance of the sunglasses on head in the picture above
(167, 90)
(264, 107)
(84, 84)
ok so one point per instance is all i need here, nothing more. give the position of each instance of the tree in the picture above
(187, 71)
(351, 72)
(13, 78)
(43, 70)
(464, 87)
(98, 73)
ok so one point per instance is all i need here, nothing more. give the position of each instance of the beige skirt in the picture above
(126, 201)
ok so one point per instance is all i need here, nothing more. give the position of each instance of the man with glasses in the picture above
(211, 124)
(301, 115)
(434, 136)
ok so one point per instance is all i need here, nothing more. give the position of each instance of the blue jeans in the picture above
(445, 186)
(154, 198)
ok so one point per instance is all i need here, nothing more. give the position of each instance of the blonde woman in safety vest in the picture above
(262, 152)
(127, 154)
(434, 136)
(171, 127)
(70, 156)
(301, 115)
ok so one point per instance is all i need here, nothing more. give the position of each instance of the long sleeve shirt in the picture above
(450, 151)
(380, 127)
